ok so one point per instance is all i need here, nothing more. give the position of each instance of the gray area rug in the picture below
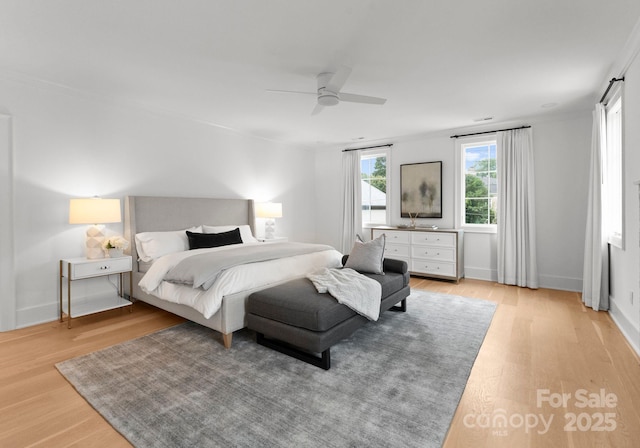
(393, 383)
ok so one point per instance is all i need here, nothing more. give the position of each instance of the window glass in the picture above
(613, 169)
(480, 191)
(373, 169)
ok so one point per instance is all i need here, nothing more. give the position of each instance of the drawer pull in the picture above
(104, 268)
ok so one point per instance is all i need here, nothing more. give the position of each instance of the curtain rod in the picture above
(611, 81)
(490, 132)
(367, 147)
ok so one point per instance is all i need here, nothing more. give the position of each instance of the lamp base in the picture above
(95, 238)
(270, 229)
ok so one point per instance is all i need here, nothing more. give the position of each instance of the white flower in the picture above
(115, 242)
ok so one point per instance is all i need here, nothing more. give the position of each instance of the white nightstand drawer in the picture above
(95, 268)
(396, 250)
(434, 253)
(433, 267)
(434, 238)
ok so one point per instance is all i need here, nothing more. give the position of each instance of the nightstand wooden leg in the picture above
(69, 296)
(61, 290)
(131, 291)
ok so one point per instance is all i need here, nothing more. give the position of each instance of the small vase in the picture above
(115, 253)
(412, 220)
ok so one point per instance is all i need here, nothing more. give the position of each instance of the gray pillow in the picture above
(367, 257)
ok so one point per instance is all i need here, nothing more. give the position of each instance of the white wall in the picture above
(625, 264)
(561, 146)
(66, 145)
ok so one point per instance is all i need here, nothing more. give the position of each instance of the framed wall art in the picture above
(421, 190)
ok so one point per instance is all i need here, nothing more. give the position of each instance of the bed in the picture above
(154, 215)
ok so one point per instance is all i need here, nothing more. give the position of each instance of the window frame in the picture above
(460, 185)
(370, 154)
(613, 163)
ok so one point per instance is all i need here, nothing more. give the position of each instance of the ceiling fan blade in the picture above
(292, 91)
(339, 78)
(353, 98)
(316, 110)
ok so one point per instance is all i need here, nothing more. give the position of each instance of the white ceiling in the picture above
(440, 64)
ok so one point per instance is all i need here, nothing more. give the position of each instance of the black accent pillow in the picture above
(206, 240)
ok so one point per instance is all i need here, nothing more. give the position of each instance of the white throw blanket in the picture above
(359, 292)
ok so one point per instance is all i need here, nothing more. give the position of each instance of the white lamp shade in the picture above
(94, 211)
(269, 210)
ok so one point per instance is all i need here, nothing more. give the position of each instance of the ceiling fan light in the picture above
(328, 99)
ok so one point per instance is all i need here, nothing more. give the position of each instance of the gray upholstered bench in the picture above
(295, 319)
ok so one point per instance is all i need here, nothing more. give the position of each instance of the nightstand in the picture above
(275, 239)
(75, 269)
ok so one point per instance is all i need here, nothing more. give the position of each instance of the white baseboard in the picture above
(628, 330)
(34, 315)
(488, 275)
(546, 281)
(561, 283)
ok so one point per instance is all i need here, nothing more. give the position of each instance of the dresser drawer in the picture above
(396, 250)
(434, 238)
(95, 268)
(434, 253)
(433, 267)
(393, 236)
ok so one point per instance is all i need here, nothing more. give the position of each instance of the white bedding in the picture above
(233, 280)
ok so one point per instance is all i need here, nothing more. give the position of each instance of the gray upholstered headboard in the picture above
(160, 214)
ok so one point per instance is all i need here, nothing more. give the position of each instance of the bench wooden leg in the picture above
(323, 361)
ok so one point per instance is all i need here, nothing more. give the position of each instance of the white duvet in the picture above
(233, 280)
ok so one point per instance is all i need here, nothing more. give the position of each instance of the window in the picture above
(373, 169)
(479, 183)
(612, 163)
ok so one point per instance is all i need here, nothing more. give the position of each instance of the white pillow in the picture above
(245, 231)
(153, 245)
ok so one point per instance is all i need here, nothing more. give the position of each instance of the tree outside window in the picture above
(481, 183)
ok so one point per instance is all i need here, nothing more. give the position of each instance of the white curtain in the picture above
(595, 276)
(517, 264)
(352, 202)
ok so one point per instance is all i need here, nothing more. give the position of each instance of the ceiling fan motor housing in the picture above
(327, 98)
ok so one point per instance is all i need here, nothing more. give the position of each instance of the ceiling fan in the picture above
(329, 94)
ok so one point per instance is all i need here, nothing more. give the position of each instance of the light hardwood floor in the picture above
(538, 340)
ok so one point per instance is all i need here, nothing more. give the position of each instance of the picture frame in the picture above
(421, 190)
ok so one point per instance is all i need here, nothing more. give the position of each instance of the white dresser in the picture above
(428, 252)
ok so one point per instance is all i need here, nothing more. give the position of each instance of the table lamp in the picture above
(269, 210)
(95, 211)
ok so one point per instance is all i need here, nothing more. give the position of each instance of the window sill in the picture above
(480, 229)
(616, 241)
